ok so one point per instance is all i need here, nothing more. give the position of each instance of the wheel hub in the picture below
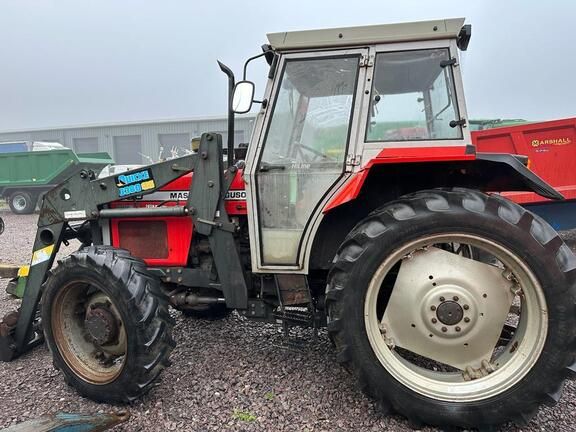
(19, 202)
(447, 308)
(450, 312)
(101, 325)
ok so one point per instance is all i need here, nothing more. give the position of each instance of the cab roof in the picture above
(367, 35)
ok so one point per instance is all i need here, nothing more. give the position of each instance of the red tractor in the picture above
(360, 205)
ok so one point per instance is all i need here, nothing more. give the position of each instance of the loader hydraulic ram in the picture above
(360, 204)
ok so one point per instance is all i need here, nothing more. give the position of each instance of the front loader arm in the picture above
(80, 197)
(84, 197)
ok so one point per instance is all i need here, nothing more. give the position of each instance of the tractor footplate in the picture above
(297, 317)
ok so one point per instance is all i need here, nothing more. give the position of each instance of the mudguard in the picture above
(518, 163)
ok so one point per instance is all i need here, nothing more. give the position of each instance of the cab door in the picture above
(302, 152)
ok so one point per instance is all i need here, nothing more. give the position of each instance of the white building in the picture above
(135, 142)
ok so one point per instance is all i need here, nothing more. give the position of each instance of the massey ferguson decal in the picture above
(182, 195)
(235, 195)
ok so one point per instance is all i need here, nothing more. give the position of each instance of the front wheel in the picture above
(107, 324)
(453, 339)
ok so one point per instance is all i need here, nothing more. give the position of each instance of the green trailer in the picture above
(26, 176)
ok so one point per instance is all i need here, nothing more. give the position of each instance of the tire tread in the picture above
(149, 317)
(414, 207)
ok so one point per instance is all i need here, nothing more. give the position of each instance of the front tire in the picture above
(107, 324)
(528, 364)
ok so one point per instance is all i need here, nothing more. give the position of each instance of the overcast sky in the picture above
(67, 62)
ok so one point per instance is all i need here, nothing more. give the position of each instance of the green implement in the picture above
(26, 176)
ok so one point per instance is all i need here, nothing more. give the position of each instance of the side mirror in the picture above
(243, 97)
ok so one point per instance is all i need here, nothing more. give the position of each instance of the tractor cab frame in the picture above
(339, 100)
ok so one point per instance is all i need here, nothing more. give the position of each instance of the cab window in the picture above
(413, 97)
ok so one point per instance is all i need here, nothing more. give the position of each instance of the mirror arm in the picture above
(248, 61)
(231, 84)
(263, 102)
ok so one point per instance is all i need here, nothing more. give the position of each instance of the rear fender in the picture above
(518, 174)
(380, 183)
(488, 172)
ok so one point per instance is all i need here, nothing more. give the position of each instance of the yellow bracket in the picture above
(23, 271)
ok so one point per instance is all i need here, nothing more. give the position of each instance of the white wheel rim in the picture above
(530, 335)
(19, 202)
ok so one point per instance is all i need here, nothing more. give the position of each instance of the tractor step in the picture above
(290, 316)
(296, 316)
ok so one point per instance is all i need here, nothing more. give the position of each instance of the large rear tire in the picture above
(377, 266)
(107, 324)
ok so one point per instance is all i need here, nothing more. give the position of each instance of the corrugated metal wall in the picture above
(149, 133)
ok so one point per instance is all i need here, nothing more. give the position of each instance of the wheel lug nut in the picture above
(466, 307)
(466, 319)
(444, 329)
(458, 329)
(433, 307)
(455, 298)
(434, 320)
(442, 298)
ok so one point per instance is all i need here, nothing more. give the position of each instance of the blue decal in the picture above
(134, 183)
(126, 179)
(130, 189)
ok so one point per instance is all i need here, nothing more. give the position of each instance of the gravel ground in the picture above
(226, 375)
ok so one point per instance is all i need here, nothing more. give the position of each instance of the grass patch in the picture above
(269, 395)
(245, 416)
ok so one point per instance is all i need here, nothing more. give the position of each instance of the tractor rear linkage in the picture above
(84, 197)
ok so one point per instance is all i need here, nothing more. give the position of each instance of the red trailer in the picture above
(551, 149)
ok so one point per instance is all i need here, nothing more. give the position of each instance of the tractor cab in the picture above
(335, 100)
